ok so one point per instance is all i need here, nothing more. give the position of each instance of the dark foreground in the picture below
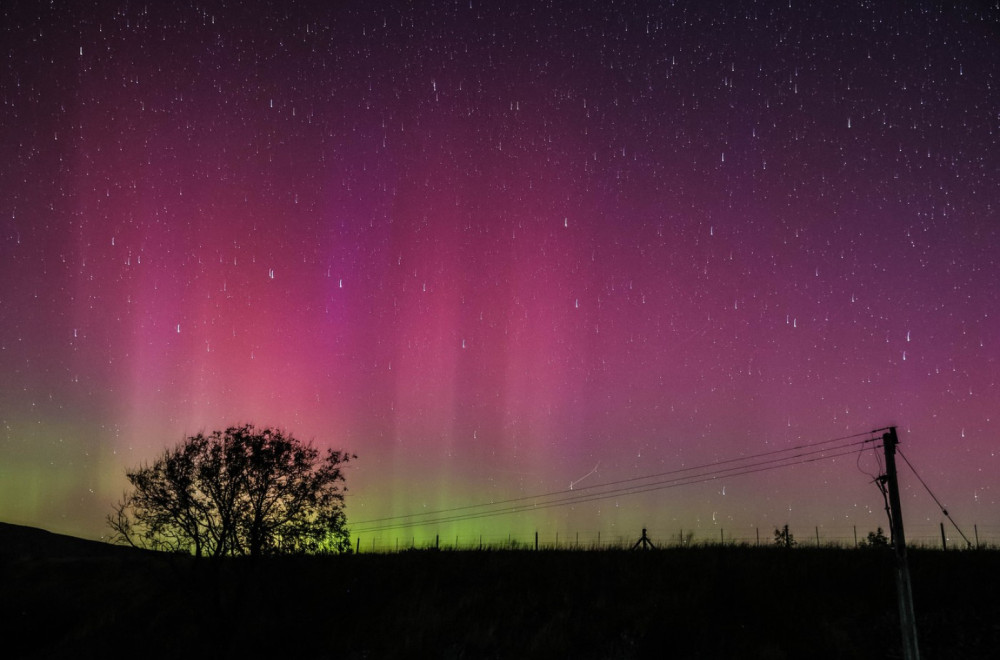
(710, 602)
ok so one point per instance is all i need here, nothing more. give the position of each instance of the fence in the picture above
(919, 536)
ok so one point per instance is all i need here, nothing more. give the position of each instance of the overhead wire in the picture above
(612, 483)
(934, 497)
(625, 487)
(597, 496)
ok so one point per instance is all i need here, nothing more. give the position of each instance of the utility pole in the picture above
(904, 591)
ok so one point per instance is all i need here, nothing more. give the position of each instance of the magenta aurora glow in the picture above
(498, 248)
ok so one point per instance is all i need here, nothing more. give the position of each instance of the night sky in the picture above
(498, 248)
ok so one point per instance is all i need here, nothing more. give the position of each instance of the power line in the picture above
(524, 498)
(454, 515)
(603, 496)
(593, 497)
(936, 500)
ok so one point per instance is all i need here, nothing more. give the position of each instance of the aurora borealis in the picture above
(497, 248)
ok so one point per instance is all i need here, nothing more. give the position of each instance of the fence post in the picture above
(944, 544)
(437, 541)
(975, 528)
(855, 536)
(536, 539)
(817, 536)
(758, 537)
(358, 551)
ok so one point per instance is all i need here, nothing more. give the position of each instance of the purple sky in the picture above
(490, 247)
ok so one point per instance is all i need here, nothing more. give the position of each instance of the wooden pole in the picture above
(855, 536)
(944, 543)
(975, 528)
(758, 537)
(358, 551)
(817, 536)
(536, 539)
(904, 590)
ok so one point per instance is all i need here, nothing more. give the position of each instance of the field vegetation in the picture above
(704, 601)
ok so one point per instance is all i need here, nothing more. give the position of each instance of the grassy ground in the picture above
(726, 602)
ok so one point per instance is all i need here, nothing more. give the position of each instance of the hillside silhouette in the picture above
(67, 597)
(24, 543)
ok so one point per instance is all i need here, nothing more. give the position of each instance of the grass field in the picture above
(703, 602)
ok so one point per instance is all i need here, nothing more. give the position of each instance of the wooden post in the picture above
(904, 590)
(817, 536)
(855, 536)
(722, 535)
(536, 539)
(975, 528)
(758, 537)
(598, 538)
(437, 541)
(944, 543)
(358, 551)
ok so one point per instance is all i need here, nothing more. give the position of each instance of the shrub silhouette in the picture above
(242, 491)
(784, 538)
(876, 539)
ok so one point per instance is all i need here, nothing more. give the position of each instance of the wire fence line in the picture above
(918, 536)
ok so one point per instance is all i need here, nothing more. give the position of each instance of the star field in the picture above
(486, 246)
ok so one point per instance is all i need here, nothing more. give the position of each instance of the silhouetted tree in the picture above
(876, 539)
(784, 538)
(242, 491)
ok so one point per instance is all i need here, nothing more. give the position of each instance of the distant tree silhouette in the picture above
(876, 539)
(784, 538)
(242, 491)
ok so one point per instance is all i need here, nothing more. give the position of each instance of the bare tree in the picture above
(242, 491)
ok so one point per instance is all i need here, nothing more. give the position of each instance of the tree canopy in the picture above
(242, 491)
